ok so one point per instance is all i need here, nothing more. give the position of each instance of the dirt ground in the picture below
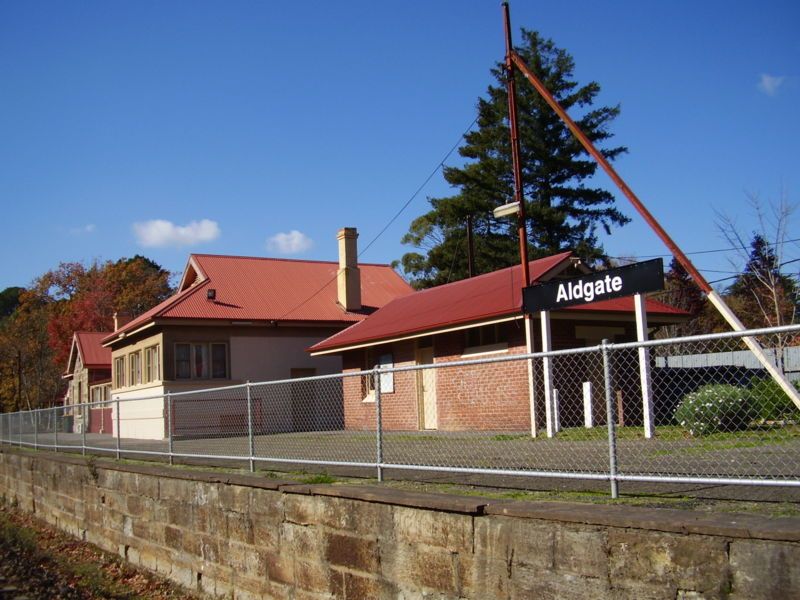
(39, 562)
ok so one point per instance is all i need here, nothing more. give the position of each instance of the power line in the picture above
(439, 165)
(420, 188)
(783, 264)
(703, 251)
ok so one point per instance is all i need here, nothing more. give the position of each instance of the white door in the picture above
(427, 389)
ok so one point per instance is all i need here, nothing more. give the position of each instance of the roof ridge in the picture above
(294, 260)
(492, 273)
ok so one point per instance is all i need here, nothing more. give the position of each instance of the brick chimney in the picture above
(348, 277)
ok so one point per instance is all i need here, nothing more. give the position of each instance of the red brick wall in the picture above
(399, 409)
(488, 397)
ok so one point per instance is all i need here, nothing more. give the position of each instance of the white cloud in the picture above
(83, 229)
(293, 242)
(769, 84)
(159, 232)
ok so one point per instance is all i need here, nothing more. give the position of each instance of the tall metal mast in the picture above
(514, 130)
(512, 60)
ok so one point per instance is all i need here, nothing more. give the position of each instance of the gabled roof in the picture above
(479, 299)
(87, 345)
(269, 289)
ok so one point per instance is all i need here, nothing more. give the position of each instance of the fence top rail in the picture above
(708, 337)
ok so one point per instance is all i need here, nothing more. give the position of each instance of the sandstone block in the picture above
(280, 568)
(305, 543)
(173, 538)
(312, 577)
(445, 530)
(552, 585)
(240, 527)
(235, 498)
(359, 554)
(581, 551)
(210, 519)
(419, 569)
(691, 563)
(764, 570)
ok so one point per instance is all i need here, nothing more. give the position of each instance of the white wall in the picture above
(140, 419)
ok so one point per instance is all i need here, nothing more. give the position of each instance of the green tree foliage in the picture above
(564, 211)
(9, 300)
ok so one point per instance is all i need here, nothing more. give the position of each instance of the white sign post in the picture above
(644, 366)
(588, 416)
(547, 346)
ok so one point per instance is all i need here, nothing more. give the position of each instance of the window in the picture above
(182, 364)
(152, 366)
(385, 361)
(201, 361)
(119, 372)
(100, 393)
(219, 361)
(135, 368)
(486, 339)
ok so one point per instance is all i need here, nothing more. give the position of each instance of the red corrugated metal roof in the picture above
(269, 289)
(481, 298)
(92, 353)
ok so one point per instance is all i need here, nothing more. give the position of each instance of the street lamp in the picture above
(506, 210)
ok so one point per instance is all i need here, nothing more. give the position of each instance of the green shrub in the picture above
(714, 408)
(771, 403)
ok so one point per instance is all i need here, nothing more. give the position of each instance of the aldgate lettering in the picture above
(588, 290)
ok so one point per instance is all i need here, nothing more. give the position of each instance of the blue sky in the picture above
(260, 128)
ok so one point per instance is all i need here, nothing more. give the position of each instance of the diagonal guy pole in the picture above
(711, 294)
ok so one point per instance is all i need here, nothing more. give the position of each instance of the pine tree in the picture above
(563, 210)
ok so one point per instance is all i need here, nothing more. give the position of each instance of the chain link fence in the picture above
(690, 410)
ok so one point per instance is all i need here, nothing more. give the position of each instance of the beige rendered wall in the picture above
(272, 358)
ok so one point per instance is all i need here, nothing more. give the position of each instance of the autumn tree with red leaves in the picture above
(35, 339)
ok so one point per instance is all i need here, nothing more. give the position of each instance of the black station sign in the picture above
(638, 278)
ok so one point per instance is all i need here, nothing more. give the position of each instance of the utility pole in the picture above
(470, 247)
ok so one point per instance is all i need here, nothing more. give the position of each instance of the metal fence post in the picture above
(378, 420)
(250, 440)
(611, 421)
(170, 441)
(84, 426)
(55, 428)
(119, 433)
(36, 429)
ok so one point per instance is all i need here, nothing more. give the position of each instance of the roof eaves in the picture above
(167, 304)
(486, 319)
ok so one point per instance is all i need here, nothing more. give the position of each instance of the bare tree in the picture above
(764, 293)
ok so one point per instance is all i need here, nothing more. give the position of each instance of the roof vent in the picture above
(211, 294)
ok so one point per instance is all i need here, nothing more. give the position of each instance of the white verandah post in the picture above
(547, 346)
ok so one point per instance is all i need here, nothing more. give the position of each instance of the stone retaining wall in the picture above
(242, 536)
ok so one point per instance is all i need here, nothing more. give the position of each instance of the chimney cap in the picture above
(211, 294)
(347, 232)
